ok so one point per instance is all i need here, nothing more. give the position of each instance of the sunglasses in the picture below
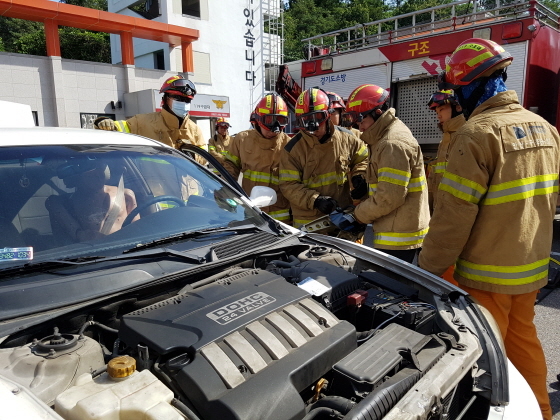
(180, 98)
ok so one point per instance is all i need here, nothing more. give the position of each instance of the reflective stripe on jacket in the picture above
(497, 200)
(437, 168)
(309, 169)
(164, 127)
(398, 195)
(217, 146)
(258, 159)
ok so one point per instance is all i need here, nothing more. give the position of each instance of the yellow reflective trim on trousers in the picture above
(479, 58)
(393, 176)
(326, 179)
(504, 275)
(440, 167)
(399, 238)
(122, 126)
(417, 184)
(287, 175)
(462, 188)
(283, 214)
(521, 189)
(260, 177)
(232, 158)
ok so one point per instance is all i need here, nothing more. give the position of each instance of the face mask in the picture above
(181, 109)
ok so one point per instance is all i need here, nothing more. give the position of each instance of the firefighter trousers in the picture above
(514, 315)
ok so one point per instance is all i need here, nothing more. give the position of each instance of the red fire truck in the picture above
(405, 53)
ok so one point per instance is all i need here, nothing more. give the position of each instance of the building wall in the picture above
(59, 90)
(220, 53)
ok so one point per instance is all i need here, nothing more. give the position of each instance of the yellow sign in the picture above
(219, 104)
(419, 48)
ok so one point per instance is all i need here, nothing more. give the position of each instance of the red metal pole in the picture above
(127, 48)
(52, 38)
(187, 55)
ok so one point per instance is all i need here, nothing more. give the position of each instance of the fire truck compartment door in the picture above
(416, 81)
(344, 82)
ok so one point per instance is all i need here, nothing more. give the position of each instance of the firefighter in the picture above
(314, 165)
(218, 144)
(172, 125)
(450, 118)
(256, 152)
(337, 107)
(496, 203)
(397, 202)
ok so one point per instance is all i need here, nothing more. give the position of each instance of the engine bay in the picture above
(308, 332)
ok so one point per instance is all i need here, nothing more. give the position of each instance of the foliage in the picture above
(306, 18)
(27, 37)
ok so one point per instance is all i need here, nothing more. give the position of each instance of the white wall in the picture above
(221, 43)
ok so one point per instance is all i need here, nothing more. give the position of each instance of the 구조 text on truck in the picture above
(405, 53)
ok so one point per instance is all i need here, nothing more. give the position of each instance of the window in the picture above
(159, 60)
(191, 7)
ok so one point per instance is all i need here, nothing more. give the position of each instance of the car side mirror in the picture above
(263, 196)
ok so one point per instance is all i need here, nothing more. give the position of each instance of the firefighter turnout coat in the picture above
(164, 127)
(309, 169)
(437, 168)
(397, 202)
(258, 158)
(497, 200)
(217, 146)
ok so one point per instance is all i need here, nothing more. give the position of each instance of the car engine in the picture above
(312, 334)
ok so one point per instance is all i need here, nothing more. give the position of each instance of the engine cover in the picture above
(249, 346)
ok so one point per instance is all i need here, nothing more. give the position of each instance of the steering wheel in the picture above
(150, 202)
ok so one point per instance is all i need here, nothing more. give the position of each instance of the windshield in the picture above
(97, 200)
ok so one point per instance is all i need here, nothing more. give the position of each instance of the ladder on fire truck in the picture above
(436, 20)
(273, 41)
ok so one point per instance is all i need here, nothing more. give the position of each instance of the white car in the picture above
(137, 284)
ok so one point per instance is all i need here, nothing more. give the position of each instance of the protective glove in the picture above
(105, 124)
(325, 204)
(360, 187)
(346, 222)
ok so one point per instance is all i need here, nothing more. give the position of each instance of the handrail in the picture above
(357, 38)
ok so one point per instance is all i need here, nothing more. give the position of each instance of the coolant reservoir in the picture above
(121, 393)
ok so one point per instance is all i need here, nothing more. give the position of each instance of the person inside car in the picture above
(94, 209)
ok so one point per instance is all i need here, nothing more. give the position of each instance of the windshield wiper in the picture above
(221, 231)
(80, 261)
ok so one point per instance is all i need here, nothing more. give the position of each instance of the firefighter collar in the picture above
(374, 133)
(172, 122)
(500, 99)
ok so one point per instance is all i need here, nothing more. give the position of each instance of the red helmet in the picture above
(271, 113)
(442, 97)
(472, 59)
(178, 85)
(364, 100)
(336, 101)
(312, 109)
(222, 122)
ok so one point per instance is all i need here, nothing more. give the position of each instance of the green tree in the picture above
(27, 37)
(306, 18)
